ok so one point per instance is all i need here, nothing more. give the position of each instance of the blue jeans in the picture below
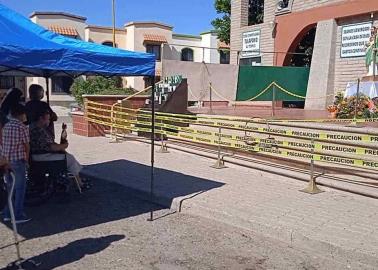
(19, 169)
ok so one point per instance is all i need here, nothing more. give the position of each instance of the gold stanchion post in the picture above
(211, 98)
(273, 101)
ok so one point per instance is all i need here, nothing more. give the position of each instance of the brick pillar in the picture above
(322, 73)
(239, 18)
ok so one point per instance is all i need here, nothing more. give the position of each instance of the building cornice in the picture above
(174, 35)
(149, 23)
(109, 28)
(52, 13)
(209, 32)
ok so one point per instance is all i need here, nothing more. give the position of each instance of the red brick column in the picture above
(82, 127)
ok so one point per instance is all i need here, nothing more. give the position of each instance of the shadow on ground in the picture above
(71, 252)
(108, 201)
(168, 185)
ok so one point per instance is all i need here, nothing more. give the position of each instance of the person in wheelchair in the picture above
(43, 146)
(35, 104)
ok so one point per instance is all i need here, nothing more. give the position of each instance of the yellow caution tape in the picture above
(210, 138)
(243, 127)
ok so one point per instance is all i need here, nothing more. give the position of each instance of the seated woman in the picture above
(43, 145)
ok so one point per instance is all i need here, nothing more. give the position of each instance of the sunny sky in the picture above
(187, 17)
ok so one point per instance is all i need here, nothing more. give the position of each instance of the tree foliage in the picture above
(222, 24)
(304, 50)
(255, 12)
(98, 86)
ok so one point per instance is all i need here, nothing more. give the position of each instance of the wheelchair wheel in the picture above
(38, 191)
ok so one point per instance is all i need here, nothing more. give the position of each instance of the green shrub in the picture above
(98, 86)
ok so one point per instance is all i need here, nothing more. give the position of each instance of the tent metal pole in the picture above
(47, 90)
(152, 147)
(114, 22)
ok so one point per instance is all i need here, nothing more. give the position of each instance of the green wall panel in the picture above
(254, 79)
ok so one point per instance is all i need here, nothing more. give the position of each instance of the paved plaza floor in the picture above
(107, 228)
(235, 218)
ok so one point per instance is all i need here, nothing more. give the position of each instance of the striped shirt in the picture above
(15, 136)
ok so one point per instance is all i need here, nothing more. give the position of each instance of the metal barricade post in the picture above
(219, 164)
(312, 187)
(163, 147)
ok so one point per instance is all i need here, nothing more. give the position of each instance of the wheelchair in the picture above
(46, 178)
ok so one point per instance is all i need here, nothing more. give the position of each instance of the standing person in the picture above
(11, 99)
(36, 104)
(16, 151)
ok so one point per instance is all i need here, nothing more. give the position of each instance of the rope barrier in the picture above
(193, 95)
(268, 88)
(287, 91)
(219, 95)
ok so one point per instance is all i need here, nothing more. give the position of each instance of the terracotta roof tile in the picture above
(67, 31)
(223, 45)
(155, 38)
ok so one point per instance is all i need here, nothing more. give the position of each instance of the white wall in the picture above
(223, 78)
(210, 40)
(101, 35)
(185, 42)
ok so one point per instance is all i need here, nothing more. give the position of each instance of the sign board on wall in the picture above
(251, 43)
(354, 38)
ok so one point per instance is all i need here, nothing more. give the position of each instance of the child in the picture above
(16, 151)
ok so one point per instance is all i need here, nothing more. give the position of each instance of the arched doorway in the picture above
(300, 55)
(302, 48)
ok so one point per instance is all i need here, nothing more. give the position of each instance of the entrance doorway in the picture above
(301, 57)
(303, 50)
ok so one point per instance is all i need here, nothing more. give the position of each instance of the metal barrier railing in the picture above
(244, 134)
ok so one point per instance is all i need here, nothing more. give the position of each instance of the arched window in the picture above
(187, 54)
(109, 43)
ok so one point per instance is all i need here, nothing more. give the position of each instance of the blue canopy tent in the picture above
(27, 49)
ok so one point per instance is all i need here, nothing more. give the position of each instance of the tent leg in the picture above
(152, 147)
(47, 90)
